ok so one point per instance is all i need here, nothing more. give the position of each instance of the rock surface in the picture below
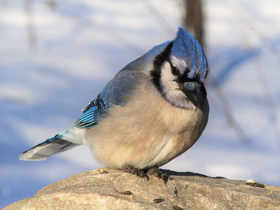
(115, 189)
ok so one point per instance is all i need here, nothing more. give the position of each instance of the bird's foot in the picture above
(136, 171)
(155, 171)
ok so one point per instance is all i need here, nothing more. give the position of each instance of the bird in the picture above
(152, 111)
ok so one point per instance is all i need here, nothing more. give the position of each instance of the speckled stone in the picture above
(115, 189)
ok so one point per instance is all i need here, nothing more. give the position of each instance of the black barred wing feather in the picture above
(92, 113)
(116, 92)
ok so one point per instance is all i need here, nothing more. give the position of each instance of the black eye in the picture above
(175, 71)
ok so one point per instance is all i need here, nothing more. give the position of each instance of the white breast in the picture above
(146, 132)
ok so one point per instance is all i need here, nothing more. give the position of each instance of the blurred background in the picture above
(57, 55)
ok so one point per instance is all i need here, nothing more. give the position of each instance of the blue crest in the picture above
(188, 50)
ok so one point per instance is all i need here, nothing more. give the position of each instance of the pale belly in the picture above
(147, 132)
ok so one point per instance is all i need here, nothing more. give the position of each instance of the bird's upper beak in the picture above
(195, 92)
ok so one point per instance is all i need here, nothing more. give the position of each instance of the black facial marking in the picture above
(185, 78)
(159, 60)
(195, 95)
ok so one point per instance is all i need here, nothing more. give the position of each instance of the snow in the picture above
(80, 45)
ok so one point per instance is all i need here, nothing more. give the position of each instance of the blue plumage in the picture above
(187, 49)
(91, 114)
(118, 90)
(51, 146)
(153, 110)
(114, 93)
(52, 139)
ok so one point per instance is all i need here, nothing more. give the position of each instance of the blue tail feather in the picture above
(47, 148)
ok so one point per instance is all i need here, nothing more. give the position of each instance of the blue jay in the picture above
(152, 111)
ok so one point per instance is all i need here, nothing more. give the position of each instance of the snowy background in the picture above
(55, 57)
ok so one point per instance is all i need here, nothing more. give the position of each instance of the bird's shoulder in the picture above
(119, 89)
(115, 93)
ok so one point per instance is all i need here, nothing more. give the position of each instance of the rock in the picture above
(115, 189)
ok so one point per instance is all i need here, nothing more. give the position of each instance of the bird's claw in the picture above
(138, 172)
(155, 171)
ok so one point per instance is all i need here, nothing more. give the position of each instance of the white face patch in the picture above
(180, 64)
(171, 90)
(167, 78)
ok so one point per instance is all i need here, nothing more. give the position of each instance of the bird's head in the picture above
(179, 71)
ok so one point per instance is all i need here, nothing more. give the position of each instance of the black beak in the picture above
(195, 92)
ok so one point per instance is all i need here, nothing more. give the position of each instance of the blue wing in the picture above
(116, 92)
(92, 113)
